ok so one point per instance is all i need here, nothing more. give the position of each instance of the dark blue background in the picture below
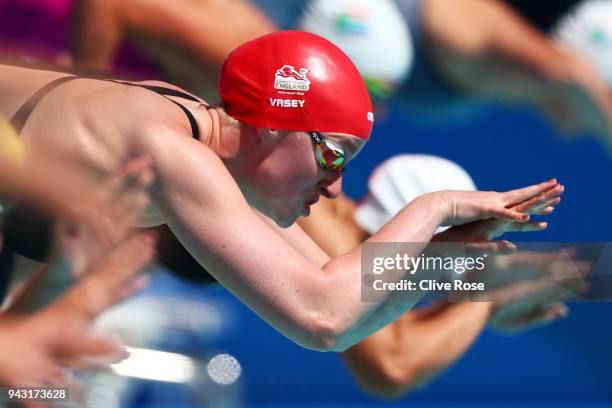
(569, 361)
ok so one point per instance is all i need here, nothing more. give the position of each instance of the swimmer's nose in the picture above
(332, 190)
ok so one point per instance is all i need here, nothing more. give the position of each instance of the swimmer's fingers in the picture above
(536, 259)
(129, 288)
(85, 239)
(101, 232)
(480, 248)
(546, 211)
(536, 316)
(559, 268)
(506, 214)
(540, 270)
(542, 315)
(555, 290)
(125, 204)
(537, 199)
(81, 351)
(531, 226)
(572, 275)
(528, 294)
(546, 199)
(125, 261)
(497, 228)
(113, 281)
(558, 310)
(483, 230)
(95, 361)
(126, 213)
(126, 195)
(519, 196)
(128, 199)
(47, 373)
(536, 206)
(83, 242)
(32, 404)
(119, 196)
(108, 231)
(135, 175)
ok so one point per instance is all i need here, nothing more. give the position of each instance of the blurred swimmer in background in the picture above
(440, 61)
(418, 347)
(102, 259)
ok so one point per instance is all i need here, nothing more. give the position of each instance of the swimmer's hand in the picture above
(505, 60)
(87, 232)
(546, 280)
(36, 348)
(105, 218)
(576, 99)
(479, 234)
(463, 207)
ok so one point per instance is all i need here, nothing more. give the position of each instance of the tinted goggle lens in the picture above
(329, 154)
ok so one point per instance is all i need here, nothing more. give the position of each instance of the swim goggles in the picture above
(329, 154)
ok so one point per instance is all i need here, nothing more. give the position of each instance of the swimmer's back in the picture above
(95, 124)
(89, 120)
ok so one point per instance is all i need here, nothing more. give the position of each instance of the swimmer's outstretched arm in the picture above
(316, 305)
(38, 347)
(487, 50)
(98, 221)
(417, 347)
(207, 29)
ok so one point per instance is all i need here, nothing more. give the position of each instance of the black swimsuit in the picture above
(24, 222)
(21, 116)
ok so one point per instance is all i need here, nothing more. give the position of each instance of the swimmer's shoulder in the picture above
(166, 85)
(158, 104)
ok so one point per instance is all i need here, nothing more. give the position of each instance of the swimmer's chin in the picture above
(281, 220)
(287, 220)
(285, 223)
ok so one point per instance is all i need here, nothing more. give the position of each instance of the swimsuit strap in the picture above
(19, 119)
(165, 92)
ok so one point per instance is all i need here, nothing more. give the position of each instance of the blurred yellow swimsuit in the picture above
(11, 149)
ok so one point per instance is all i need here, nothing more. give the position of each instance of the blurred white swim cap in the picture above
(588, 29)
(401, 179)
(372, 33)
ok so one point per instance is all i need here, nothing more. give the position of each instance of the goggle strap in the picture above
(317, 138)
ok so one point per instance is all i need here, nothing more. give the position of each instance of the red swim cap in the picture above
(293, 80)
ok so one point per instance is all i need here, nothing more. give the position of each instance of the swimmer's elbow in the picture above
(325, 331)
(322, 333)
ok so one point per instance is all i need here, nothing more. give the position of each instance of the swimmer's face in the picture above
(290, 179)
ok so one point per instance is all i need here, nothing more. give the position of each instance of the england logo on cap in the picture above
(288, 78)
